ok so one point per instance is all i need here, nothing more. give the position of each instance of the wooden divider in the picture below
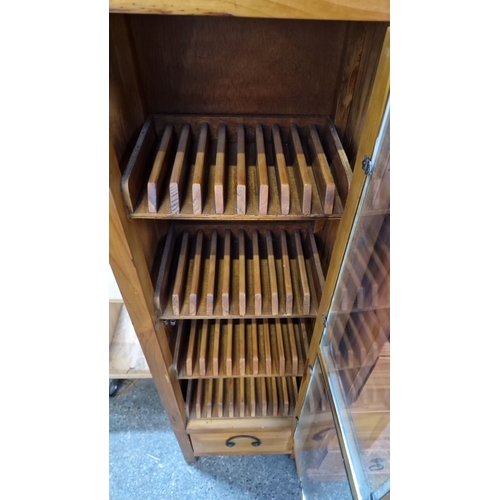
(301, 172)
(241, 397)
(262, 179)
(220, 166)
(282, 177)
(199, 171)
(251, 273)
(137, 167)
(179, 174)
(236, 168)
(159, 172)
(240, 348)
(241, 187)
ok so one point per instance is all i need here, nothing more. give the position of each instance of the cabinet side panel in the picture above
(129, 267)
(126, 112)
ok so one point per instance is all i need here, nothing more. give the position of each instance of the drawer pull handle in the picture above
(230, 443)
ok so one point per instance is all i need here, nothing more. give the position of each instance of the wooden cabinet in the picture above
(236, 150)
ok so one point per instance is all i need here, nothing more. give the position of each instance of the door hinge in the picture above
(367, 166)
(324, 320)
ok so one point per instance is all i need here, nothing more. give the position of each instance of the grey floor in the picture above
(145, 461)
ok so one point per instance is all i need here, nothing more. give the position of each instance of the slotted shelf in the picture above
(243, 168)
(366, 284)
(241, 397)
(241, 348)
(358, 338)
(217, 272)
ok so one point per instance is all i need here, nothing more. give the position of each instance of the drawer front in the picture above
(233, 443)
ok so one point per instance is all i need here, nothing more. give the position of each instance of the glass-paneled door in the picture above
(353, 366)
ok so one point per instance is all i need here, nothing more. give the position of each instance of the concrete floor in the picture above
(145, 461)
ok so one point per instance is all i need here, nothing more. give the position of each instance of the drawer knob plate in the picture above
(230, 442)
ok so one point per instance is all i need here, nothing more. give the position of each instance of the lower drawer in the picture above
(242, 443)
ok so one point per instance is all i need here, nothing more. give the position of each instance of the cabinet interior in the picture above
(276, 74)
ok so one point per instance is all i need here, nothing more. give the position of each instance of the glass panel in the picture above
(356, 342)
(317, 452)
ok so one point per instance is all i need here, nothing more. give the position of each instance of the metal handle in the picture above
(230, 443)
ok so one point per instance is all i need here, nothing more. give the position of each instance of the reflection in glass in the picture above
(356, 342)
(319, 459)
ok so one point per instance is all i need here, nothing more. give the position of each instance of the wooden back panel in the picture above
(238, 65)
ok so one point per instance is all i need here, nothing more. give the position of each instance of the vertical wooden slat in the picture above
(267, 347)
(281, 349)
(295, 391)
(158, 176)
(133, 178)
(196, 279)
(256, 273)
(286, 400)
(216, 348)
(252, 396)
(272, 272)
(180, 284)
(199, 394)
(255, 348)
(203, 348)
(293, 347)
(219, 170)
(304, 285)
(303, 335)
(263, 402)
(212, 265)
(342, 172)
(274, 397)
(241, 183)
(189, 396)
(230, 397)
(322, 172)
(226, 273)
(286, 274)
(301, 172)
(262, 177)
(190, 350)
(241, 274)
(209, 397)
(179, 171)
(229, 348)
(317, 275)
(220, 397)
(160, 293)
(241, 396)
(241, 350)
(282, 177)
(177, 348)
(199, 170)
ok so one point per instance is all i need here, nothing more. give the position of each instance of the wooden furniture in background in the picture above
(126, 359)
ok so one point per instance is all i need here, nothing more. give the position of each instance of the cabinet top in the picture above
(348, 10)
